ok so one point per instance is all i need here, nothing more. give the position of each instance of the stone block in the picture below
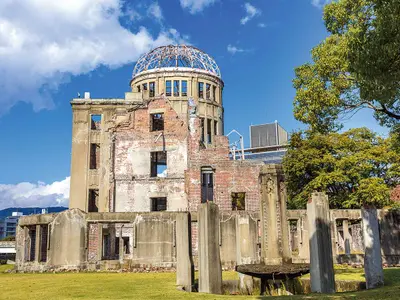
(372, 253)
(321, 260)
(210, 271)
(184, 262)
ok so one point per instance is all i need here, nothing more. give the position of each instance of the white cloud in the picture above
(251, 12)
(196, 6)
(44, 42)
(320, 3)
(155, 11)
(26, 194)
(233, 50)
(132, 14)
(261, 25)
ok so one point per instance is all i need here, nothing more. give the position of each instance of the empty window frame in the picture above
(158, 164)
(152, 88)
(207, 184)
(159, 204)
(93, 200)
(238, 201)
(138, 88)
(209, 131)
(214, 88)
(157, 121)
(95, 122)
(144, 86)
(201, 90)
(43, 243)
(176, 88)
(208, 91)
(32, 245)
(168, 88)
(94, 156)
(106, 246)
(215, 128)
(184, 88)
(127, 249)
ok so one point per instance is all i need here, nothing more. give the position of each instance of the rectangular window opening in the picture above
(293, 237)
(94, 156)
(215, 127)
(106, 246)
(158, 164)
(138, 88)
(116, 248)
(168, 88)
(93, 201)
(214, 89)
(125, 239)
(176, 88)
(32, 246)
(152, 87)
(43, 243)
(238, 201)
(208, 91)
(201, 90)
(207, 184)
(159, 204)
(144, 86)
(157, 121)
(184, 88)
(209, 131)
(95, 122)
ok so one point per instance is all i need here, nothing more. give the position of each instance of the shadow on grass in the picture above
(391, 290)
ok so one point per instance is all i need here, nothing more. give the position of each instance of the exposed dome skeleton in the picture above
(176, 56)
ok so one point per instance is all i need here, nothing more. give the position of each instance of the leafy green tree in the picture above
(354, 167)
(8, 238)
(357, 66)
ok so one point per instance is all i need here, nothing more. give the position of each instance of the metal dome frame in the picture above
(176, 56)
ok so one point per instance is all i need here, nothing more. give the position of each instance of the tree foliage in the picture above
(353, 167)
(357, 66)
(8, 238)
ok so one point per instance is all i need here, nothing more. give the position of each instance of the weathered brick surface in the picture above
(185, 155)
(93, 241)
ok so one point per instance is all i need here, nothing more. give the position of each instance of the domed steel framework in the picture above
(176, 56)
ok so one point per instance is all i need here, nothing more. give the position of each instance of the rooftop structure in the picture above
(172, 57)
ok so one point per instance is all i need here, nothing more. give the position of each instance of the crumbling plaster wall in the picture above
(134, 186)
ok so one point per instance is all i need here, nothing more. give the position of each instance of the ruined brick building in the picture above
(142, 165)
(161, 147)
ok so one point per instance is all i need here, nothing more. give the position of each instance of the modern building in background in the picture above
(268, 144)
(8, 225)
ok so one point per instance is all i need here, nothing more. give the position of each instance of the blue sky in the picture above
(49, 51)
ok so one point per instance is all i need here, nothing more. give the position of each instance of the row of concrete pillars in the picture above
(321, 260)
(210, 269)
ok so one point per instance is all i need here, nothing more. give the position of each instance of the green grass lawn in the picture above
(151, 286)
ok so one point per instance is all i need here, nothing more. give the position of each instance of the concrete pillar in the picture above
(372, 248)
(184, 261)
(275, 236)
(121, 245)
(346, 237)
(100, 241)
(246, 252)
(210, 271)
(321, 261)
(37, 243)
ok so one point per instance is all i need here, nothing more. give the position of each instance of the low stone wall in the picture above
(147, 241)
